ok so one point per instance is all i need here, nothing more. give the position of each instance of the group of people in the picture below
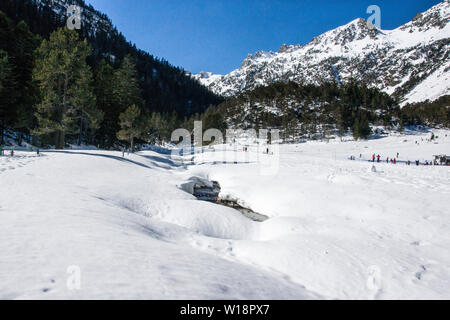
(2, 152)
(11, 151)
(377, 158)
(395, 160)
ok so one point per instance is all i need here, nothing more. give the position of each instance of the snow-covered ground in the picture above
(337, 230)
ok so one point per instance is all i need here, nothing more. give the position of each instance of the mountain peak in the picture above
(357, 29)
(288, 48)
(410, 63)
(257, 57)
(435, 17)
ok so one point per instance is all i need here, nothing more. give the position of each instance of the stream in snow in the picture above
(249, 213)
(205, 190)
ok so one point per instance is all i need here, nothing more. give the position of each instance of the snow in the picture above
(337, 228)
(207, 78)
(433, 87)
(392, 50)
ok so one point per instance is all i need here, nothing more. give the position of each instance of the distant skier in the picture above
(378, 158)
(373, 158)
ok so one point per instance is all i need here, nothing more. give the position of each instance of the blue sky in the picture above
(216, 35)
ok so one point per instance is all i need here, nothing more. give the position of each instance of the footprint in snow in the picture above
(420, 274)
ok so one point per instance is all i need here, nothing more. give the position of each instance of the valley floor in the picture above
(337, 230)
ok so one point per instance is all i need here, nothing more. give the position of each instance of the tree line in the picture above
(164, 89)
(49, 92)
(430, 113)
(330, 109)
(310, 111)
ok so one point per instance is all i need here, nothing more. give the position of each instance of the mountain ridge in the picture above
(165, 87)
(410, 62)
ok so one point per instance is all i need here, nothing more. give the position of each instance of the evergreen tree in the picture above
(65, 84)
(356, 127)
(364, 130)
(126, 88)
(5, 87)
(8, 92)
(22, 50)
(361, 129)
(107, 103)
(132, 124)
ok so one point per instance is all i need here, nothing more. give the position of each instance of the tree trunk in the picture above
(2, 141)
(132, 144)
(60, 136)
(81, 132)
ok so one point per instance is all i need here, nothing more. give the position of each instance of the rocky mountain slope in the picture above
(411, 62)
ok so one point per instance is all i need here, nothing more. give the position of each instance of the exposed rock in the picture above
(395, 61)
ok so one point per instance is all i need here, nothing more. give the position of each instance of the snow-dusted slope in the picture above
(337, 230)
(404, 62)
(126, 226)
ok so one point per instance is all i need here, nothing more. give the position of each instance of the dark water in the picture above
(211, 194)
(245, 211)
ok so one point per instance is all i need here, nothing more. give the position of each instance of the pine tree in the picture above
(361, 128)
(126, 87)
(356, 128)
(5, 86)
(8, 83)
(132, 124)
(88, 115)
(65, 84)
(106, 102)
(22, 50)
(364, 130)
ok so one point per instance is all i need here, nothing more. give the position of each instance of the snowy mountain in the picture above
(410, 62)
